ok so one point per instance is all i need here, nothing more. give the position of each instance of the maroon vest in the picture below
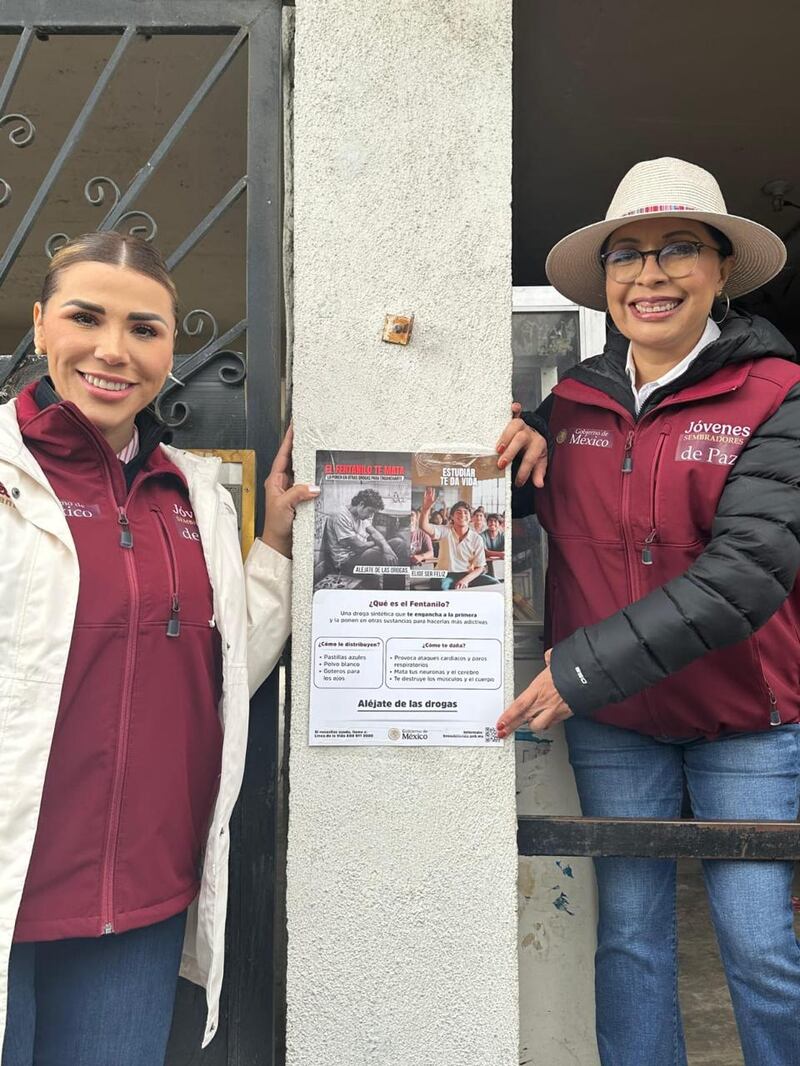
(135, 758)
(629, 505)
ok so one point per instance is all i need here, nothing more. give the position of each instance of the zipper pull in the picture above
(627, 461)
(647, 554)
(125, 537)
(174, 623)
(774, 713)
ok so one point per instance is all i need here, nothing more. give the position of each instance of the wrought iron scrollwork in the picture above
(29, 368)
(180, 410)
(232, 375)
(94, 190)
(178, 413)
(54, 242)
(195, 322)
(20, 136)
(174, 412)
(147, 232)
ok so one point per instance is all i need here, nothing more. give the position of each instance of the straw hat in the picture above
(663, 188)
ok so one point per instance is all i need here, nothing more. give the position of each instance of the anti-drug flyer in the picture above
(409, 607)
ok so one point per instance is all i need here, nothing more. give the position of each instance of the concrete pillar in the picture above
(557, 912)
(402, 862)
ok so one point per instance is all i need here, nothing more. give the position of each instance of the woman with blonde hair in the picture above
(132, 637)
(672, 507)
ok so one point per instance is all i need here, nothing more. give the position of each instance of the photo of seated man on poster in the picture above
(363, 535)
(353, 539)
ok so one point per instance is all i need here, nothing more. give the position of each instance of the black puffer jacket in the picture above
(675, 535)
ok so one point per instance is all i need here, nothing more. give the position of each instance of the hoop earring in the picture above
(610, 326)
(719, 321)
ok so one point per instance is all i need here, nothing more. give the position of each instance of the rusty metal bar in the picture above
(645, 838)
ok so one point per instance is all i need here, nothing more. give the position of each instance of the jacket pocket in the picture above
(772, 702)
(173, 622)
(655, 516)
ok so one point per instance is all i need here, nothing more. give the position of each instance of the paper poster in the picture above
(408, 620)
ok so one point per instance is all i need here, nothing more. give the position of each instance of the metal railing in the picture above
(648, 838)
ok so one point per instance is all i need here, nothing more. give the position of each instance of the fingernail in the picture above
(501, 463)
(501, 447)
(314, 488)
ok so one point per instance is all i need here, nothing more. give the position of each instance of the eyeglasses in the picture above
(677, 260)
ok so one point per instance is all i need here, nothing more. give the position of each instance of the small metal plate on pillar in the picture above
(397, 329)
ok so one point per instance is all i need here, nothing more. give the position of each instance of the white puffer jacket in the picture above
(39, 580)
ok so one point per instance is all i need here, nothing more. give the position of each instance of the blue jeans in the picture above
(95, 1001)
(754, 776)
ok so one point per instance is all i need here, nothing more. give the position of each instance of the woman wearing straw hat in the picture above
(672, 506)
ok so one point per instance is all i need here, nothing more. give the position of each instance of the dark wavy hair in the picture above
(368, 498)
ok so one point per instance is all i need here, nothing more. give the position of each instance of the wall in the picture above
(402, 863)
(557, 912)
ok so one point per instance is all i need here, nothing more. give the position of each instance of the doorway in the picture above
(170, 126)
(598, 86)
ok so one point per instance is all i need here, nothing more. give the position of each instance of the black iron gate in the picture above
(90, 89)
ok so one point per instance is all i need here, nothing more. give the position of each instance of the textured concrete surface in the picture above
(402, 863)
(556, 981)
(557, 911)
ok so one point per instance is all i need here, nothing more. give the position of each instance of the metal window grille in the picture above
(229, 390)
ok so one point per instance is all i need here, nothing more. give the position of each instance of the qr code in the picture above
(489, 733)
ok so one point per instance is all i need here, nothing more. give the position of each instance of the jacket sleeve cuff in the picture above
(268, 583)
(523, 498)
(540, 424)
(580, 681)
(262, 559)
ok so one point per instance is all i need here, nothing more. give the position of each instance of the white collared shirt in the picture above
(710, 334)
(460, 555)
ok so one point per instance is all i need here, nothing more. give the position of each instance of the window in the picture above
(549, 335)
